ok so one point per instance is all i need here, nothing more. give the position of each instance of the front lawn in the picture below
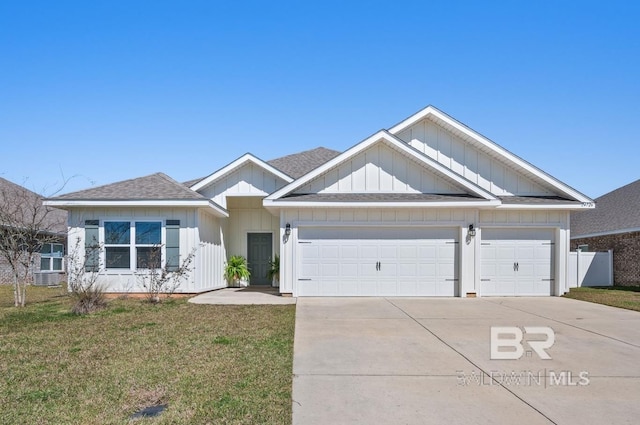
(617, 296)
(210, 364)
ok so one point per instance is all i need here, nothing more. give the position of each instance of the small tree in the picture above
(25, 226)
(157, 280)
(83, 269)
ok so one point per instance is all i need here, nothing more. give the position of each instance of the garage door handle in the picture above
(377, 265)
(516, 267)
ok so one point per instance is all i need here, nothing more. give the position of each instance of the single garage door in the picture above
(516, 262)
(376, 261)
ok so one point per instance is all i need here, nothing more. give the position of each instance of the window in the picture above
(583, 248)
(139, 242)
(148, 241)
(117, 244)
(51, 257)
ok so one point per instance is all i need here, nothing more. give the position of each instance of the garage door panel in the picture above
(349, 271)
(387, 288)
(407, 289)
(331, 251)
(407, 270)
(330, 270)
(446, 288)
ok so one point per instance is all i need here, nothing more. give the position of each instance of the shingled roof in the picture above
(615, 212)
(22, 203)
(156, 186)
(299, 164)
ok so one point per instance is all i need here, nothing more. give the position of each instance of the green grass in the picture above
(616, 296)
(210, 364)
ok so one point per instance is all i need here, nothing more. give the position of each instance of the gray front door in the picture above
(259, 248)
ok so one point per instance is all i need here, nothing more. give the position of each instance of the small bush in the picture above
(88, 300)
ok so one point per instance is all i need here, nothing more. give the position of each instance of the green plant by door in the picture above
(274, 268)
(237, 270)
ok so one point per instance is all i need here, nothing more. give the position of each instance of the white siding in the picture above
(211, 255)
(379, 169)
(247, 215)
(125, 280)
(247, 180)
(467, 160)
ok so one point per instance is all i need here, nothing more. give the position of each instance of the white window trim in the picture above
(132, 245)
(51, 258)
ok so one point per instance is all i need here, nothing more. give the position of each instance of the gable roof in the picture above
(244, 159)
(299, 164)
(153, 190)
(23, 201)
(382, 137)
(616, 212)
(484, 144)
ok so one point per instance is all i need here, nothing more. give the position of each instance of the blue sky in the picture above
(110, 90)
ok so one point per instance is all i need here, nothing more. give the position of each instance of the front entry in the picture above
(259, 252)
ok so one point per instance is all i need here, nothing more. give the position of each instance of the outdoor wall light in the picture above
(472, 231)
(287, 229)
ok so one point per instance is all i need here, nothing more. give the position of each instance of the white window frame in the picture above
(51, 257)
(133, 266)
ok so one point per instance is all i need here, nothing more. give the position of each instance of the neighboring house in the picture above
(24, 208)
(427, 207)
(613, 225)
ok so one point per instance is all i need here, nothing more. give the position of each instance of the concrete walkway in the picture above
(427, 361)
(242, 296)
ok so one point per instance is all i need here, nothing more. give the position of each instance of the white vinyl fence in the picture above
(590, 268)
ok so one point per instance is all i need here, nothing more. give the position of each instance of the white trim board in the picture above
(381, 136)
(246, 158)
(491, 146)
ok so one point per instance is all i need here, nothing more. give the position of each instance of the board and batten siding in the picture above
(124, 281)
(247, 215)
(248, 180)
(379, 169)
(211, 256)
(468, 161)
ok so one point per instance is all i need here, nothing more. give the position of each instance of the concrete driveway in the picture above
(421, 361)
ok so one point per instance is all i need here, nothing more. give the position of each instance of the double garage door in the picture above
(377, 261)
(382, 261)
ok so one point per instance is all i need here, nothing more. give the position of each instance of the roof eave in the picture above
(544, 207)
(236, 164)
(188, 203)
(431, 110)
(445, 204)
(369, 141)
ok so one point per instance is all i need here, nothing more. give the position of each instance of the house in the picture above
(428, 207)
(614, 225)
(24, 210)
